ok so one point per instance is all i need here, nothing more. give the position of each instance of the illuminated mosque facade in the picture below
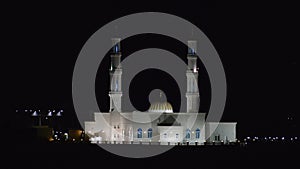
(159, 124)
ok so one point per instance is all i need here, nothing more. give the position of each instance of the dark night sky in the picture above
(256, 43)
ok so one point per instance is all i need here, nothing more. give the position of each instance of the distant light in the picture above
(25, 110)
(50, 113)
(269, 137)
(282, 138)
(266, 138)
(17, 110)
(34, 113)
(291, 139)
(30, 110)
(248, 137)
(53, 110)
(58, 114)
(296, 138)
(39, 110)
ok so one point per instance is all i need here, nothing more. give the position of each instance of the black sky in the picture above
(257, 43)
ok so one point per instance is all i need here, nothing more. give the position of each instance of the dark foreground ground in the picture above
(87, 156)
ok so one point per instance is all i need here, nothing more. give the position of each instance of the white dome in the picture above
(161, 107)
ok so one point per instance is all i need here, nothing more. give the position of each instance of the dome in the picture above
(161, 107)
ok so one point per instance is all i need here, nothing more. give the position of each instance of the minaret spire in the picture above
(192, 93)
(115, 72)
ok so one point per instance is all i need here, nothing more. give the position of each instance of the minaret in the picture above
(115, 92)
(192, 93)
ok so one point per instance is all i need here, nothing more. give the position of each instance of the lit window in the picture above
(197, 133)
(116, 48)
(188, 134)
(139, 133)
(150, 133)
(191, 51)
(117, 85)
(165, 135)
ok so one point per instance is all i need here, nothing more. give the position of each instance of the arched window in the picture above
(217, 137)
(191, 51)
(165, 135)
(197, 133)
(188, 134)
(116, 48)
(150, 133)
(139, 133)
(117, 85)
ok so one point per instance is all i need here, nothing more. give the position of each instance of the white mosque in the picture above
(158, 125)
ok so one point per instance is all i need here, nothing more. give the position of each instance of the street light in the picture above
(49, 113)
(34, 114)
(59, 113)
